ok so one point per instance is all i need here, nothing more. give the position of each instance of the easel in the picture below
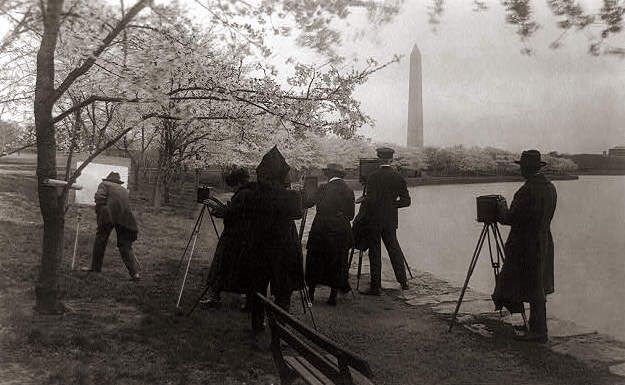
(59, 184)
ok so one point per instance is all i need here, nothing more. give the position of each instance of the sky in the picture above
(479, 90)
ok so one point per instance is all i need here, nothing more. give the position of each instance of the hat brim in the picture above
(113, 180)
(541, 163)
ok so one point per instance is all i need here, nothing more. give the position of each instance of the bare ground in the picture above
(121, 332)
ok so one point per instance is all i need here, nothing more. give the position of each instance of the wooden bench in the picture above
(299, 351)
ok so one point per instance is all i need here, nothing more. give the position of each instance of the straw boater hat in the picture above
(334, 169)
(385, 152)
(531, 158)
(113, 177)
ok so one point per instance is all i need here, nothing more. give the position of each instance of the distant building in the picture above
(618, 151)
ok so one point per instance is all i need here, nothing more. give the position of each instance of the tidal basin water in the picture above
(438, 234)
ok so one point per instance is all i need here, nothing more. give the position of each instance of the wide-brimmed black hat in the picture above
(273, 167)
(114, 177)
(531, 158)
(385, 152)
(334, 169)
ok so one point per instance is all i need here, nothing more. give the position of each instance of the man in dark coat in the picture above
(272, 253)
(527, 273)
(112, 207)
(386, 192)
(330, 237)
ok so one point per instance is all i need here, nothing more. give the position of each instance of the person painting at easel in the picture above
(112, 207)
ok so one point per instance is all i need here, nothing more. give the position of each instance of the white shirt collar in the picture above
(334, 178)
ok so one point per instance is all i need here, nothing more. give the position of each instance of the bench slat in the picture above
(350, 358)
(320, 362)
(308, 372)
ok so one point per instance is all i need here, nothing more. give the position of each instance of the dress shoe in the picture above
(532, 337)
(404, 286)
(371, 291)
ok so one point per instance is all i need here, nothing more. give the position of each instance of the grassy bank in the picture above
(121, 332)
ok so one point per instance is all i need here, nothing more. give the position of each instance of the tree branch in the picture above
(77, 72)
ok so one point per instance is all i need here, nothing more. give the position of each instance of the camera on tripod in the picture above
(203, 193)
(489, 208)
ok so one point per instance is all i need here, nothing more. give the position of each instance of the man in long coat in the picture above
(386, 192)
(527, 273)
(330, 237)
(113, 212)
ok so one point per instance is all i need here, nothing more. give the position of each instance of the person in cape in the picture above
(527, 273)
(330, 237)
(271, 253)
(112, 206)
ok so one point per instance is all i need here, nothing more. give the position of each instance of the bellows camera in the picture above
(203, 193)
(488, 208)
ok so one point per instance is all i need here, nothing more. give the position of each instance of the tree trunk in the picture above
(52, 205)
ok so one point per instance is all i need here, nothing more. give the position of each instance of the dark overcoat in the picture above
(113, 206)
(271, 251)
(232, 240)
(386, 192)
(330, 237)
(527, 273)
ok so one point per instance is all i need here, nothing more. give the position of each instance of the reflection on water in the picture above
(438, 234)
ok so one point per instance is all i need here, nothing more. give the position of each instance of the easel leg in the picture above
(476, 254)
(76, 240)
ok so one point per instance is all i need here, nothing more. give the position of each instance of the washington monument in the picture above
(415, 101)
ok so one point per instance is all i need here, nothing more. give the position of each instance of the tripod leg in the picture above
(359, 269)
(197, 302)
(198, 221)
(351, 258)
(408, 267)
(501, 243)
(186, 273)
(213, 222)
(476, 253)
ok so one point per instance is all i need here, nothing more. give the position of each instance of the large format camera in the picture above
(489, 208)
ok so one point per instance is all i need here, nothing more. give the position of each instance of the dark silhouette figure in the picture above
(527, 273)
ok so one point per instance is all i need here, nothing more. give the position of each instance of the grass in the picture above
(123, 332)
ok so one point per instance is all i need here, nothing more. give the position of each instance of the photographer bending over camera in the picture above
(527, 273)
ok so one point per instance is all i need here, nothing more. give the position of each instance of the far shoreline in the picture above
(446, 180)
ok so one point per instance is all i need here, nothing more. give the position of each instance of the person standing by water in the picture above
(527, 273)
(386, 192)
(330, 237)
(112, 206)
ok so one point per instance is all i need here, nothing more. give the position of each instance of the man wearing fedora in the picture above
(330, 237)
(112, 207)
(386, 192)
(527, 273)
